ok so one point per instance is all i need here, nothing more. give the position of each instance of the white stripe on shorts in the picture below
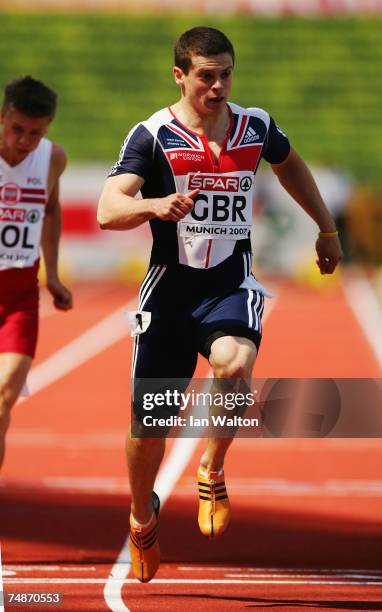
(249, 254)
(261, 310)
(247, 257)
(245, 265)
(152, 274)
(150, 288)
(255, 311)
(249, 302)
(146, 280)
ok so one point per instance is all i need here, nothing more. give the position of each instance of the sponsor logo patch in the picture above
(250, 136)
(33, 216)
(10, 193)
(187, 156)
(17, 215)
(246, 183)
(213, 182)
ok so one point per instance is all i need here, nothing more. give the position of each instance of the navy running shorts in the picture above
(182, 321)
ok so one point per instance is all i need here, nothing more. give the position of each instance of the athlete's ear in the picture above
(178, 75)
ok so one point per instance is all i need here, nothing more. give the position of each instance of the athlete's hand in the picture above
(176, 206)
(62, 297)
(329, 254)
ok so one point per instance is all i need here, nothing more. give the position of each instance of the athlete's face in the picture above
(207, 84)
(20, 134)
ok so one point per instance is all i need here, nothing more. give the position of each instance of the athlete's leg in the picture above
(144, 456)
(159, 357)
(231, 357)
(166, 350)
(229, 335)
(14, 368)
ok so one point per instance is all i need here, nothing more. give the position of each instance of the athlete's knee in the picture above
(143, 437)
(232, 358)
(5, 414)
(232, 365)
(233, 369)
(8, 396)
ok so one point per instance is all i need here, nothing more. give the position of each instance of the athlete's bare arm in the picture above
(51, 231)
(295, 176)
(118, 209)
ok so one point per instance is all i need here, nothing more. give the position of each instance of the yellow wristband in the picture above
(328, 234)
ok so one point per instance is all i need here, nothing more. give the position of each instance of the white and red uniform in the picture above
(23, 198)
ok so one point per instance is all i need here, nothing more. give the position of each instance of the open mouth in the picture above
(216, 100)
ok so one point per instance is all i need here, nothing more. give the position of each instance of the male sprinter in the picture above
(30, 168)
(195, 163)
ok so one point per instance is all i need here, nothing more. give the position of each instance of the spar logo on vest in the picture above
(223, 206)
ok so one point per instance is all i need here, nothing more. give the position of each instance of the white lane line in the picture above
(271, 570)
(101, 485)
(95, 340)
(38, 438)
(364, 304)
(187, 581)
(280, 487)
(177, 461)
(310, 576)
(239, 581)
(1, 585)
(311, 445)
(47, 568)
(249, 486)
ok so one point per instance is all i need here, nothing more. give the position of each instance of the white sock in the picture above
(138, 525)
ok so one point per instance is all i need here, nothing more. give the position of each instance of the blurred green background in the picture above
(320, 78)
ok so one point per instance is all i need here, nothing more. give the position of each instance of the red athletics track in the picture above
(306, 529)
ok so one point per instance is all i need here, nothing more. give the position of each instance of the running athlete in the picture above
(30, 168)
(195, 164)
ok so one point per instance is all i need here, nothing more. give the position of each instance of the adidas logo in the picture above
(250, 136)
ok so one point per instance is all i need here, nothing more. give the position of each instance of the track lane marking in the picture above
(265, 486)
(298, 576)
(112, 439)
(47, 568)
(38, 438)
(96, 339)
(189, 581)
(272, 570)
(365, 306)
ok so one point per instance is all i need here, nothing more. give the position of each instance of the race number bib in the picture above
(223, 206)
(20, 234)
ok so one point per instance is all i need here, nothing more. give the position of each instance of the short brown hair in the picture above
(30, 97)
(200, 40)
